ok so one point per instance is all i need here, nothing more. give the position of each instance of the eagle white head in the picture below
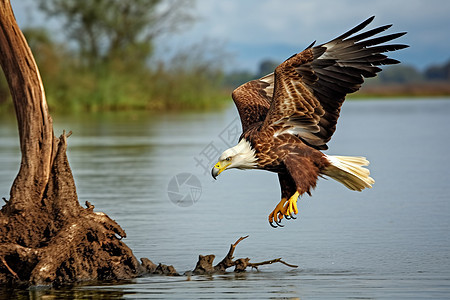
(241, 156)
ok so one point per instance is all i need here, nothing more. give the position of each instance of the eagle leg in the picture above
(277, 214)
(290, 208)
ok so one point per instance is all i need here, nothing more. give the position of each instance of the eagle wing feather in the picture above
(253, 100)
(305, 93)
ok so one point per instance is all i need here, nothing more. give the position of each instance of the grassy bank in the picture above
(111, 89)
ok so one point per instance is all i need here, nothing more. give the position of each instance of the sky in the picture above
(253, 30)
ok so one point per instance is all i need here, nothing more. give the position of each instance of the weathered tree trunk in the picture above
(46, 237)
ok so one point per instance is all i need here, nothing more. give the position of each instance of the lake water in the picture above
(390, 242)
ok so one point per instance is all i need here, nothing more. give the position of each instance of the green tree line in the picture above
(105, 59)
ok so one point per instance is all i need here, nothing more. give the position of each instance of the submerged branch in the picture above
(204, 264)
(269, 262)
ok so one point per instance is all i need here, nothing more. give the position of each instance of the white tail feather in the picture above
(350, 171)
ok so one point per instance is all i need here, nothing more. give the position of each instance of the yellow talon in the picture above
(284, 208)
(277, 213)
(291, 205)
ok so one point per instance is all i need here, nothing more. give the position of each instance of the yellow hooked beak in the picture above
(219, 168)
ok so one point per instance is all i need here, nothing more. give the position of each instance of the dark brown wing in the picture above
(311, 86)
(253, 100)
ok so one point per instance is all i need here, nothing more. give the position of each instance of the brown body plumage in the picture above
(288, 116)
(287, 154)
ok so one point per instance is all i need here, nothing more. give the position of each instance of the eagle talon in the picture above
(279, 225)
(277, 214)
(290, 207)
(284, 209)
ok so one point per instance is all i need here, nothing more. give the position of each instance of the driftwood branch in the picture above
(227, 261)
(205, 263)
(269, 262)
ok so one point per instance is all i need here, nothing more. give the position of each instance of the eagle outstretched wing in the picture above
(308, 89)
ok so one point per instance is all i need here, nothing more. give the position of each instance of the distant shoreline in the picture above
(420, 89)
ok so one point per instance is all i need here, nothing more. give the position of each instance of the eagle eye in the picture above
(228, 158)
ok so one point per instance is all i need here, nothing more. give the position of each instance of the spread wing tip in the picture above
(356, 28)
(311, 45)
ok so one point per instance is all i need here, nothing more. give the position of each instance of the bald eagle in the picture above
(288, 116)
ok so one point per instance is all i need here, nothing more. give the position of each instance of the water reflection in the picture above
(64, 293)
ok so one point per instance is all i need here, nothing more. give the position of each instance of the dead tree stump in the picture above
(46, 237)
